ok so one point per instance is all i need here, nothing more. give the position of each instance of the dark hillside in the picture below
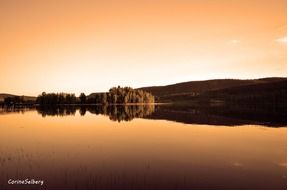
(26, 98)
(188, 90)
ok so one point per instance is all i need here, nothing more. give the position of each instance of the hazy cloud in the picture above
(282, 40)
(237, 164)
(234, 42)
(283, 163)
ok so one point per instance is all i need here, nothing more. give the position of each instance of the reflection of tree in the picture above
(127, 113)
(123, 113)
(14, 109)
(211, 115)
(56, 110)
(83, 110)
(115, 112)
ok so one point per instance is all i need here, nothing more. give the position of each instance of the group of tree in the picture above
(121, 95)
(56, 98)
(116, 95)
(16, 100)
(13, 100)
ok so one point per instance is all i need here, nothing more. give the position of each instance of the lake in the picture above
(140, 148)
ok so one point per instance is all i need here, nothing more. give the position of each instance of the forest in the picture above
(116, 95)
(17, 100)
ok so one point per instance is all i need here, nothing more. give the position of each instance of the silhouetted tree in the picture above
(14, 100)
(83, 110)
(119, 95)
(116, 95)
(54, 99)
(104, 98)
(83, 98)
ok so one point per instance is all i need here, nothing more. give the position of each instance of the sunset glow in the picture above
(90, 46)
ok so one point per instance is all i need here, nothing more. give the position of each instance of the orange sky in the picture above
(88, 46)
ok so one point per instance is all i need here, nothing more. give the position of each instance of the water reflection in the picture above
(92, 152)
(114, 112)
(57, 110)
(223, 115)
(12, 109)
(210, 115)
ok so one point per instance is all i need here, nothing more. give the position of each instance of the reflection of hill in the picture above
(211, 115)
(223, 115)
(115, 112)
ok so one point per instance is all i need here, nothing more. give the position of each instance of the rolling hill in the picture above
(26, 98)
(188, 90)
(208, 88)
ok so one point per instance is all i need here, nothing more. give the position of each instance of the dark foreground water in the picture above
(131, 149)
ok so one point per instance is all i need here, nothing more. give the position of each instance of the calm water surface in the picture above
(88, 151)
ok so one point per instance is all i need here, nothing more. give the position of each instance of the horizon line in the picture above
(274, 77)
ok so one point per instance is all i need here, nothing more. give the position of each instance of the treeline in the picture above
(13, 100)
(119, 95)
(56, 98)
(16, 100)
(116, 95)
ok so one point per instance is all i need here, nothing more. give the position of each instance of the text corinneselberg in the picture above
(25, 182)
